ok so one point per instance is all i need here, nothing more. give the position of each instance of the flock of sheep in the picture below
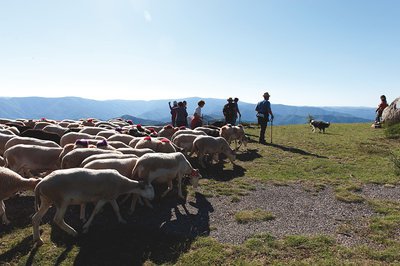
(89, 161)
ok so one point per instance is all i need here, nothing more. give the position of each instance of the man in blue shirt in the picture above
(263, 110)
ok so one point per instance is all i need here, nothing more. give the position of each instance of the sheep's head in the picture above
(146, 190)
(194, 177)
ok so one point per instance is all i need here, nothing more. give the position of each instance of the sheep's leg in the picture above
(3, 213)
(180, 186)
(37, 217)
(82, 212)
(97, 208)
(59, 220)
(147, 203)
(115, 206)
(133, 203)
(170, 185)
(200, 156)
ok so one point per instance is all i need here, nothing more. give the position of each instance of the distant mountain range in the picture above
(157, 111)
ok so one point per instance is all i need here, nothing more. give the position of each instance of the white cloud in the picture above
(147, 16)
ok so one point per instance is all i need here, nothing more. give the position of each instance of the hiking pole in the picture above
(271, 128)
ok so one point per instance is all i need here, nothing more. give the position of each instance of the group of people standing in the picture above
(231, 111)
(179, 114)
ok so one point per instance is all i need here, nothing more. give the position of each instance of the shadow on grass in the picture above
(22, 248)
(249, 155)
(295, 150)
(160, 234)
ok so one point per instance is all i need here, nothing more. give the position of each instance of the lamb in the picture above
(23, 158)
(11, 183)
(164, 168)
(80, 186)
(209, 145)
(29, 141)
(235, 133)
(75, 157)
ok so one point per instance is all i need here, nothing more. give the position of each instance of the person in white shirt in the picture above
(197, 120)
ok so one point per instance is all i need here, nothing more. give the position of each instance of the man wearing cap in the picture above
(263, 110)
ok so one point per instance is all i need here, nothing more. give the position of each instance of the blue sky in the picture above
(303, 52)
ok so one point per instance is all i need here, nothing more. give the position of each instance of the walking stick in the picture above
(271, 129)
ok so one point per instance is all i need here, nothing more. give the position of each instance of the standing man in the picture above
(263, 110)
(229, 112)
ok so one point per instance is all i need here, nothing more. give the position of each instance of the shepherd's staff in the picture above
(271, 128)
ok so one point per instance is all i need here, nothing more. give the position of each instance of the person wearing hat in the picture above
(263, 110)
(229, 111)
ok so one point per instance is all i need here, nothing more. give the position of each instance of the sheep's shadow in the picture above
(248, 155)
(160, 234)
(21, 249)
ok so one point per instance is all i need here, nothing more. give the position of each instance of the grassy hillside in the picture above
(344, 158)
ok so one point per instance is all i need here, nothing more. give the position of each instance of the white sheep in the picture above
(92, 130)
(30, 141)
(71, 137)
(125, 138)
(167, 131)
(203, 145)
(75, 157)
(157, 145)
(137, 152)
(23, 158)
(164, 168)
(185, 141)
(188, 131)
(234, 133)
(123, 165)
(11, 183)
(60, 131)
(4, 138)
(80, 186)
(106, 156)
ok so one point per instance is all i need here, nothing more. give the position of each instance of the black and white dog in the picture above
(321, 125)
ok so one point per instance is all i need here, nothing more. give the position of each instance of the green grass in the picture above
(345, 158)
(247, 216)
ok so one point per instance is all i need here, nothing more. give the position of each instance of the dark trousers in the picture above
(263, 122)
